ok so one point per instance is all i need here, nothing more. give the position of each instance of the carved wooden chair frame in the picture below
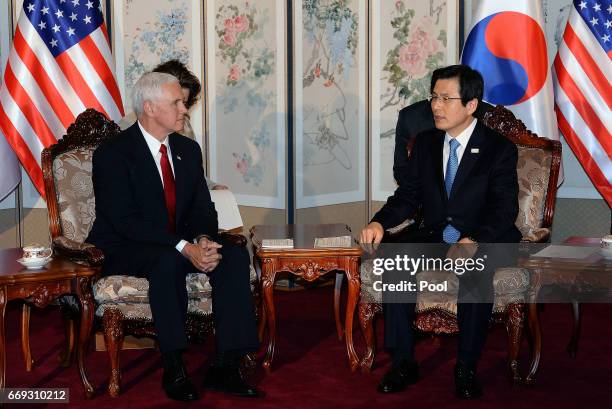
(89, 130)
(502, 120)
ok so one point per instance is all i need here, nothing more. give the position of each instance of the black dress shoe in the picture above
(399, 377)
(228, 379)
(178, 385)
(175, 381)
(466, 382)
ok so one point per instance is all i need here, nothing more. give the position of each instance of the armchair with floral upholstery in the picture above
(121, 300)
(538, 170)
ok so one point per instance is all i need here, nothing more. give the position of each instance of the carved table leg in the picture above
(352, 275)
(85, 295)
(366, 318)
(536, 337)
(262, 320)
(25, 337)
(268, 274)
(113, 338)
(572, 347)
(262, 310)
(2, 344)
(337, 292)
(366, 322)
(514, 328)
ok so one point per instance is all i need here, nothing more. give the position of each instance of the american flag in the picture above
(583, 95)
(59, 65)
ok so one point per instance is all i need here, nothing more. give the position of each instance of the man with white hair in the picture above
(155, 219)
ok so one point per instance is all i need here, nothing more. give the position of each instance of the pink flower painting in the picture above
(241, 23)
(234, 73)
(413, 55)
(229, 38)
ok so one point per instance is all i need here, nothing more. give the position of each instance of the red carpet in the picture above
(311, 371)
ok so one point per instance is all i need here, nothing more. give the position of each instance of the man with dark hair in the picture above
(411, 121)
(155, 219)
(463, 177)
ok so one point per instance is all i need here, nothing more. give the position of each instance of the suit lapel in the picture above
(179, 174)
(147, 163)
(470, 156)
(437, 161)
(151, 180)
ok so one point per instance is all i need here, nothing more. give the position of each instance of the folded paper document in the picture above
(333, 242)
(277, 243)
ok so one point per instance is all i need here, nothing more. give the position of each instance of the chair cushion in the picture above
(74, 187)
(510, 285)
(440, 300)
(124, 292)
(121, 288)
(130, 311)
(533, 171)
(367, 293)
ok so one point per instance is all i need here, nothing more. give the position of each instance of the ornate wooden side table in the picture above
(41, 287)
(577, 276)
(309, 263)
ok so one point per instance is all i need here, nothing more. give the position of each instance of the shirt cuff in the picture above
(181, 244)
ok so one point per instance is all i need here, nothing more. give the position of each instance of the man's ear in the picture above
(472, 105)
(149, 108)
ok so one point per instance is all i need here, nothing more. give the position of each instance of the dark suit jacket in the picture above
(130, 204)
(483, 203)
(411, 121)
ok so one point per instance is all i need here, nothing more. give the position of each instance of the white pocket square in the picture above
(475, 150)
(178, 157)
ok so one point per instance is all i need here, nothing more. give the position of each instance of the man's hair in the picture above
(186, 78)
(470, 81)
(149, 87)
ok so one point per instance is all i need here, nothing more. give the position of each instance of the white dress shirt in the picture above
(154, 146)
(463, 138)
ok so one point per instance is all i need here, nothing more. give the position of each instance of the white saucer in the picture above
(34, 264)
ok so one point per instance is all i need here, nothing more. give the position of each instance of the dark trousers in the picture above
(473, 320)
(474, 305)
(166, 270)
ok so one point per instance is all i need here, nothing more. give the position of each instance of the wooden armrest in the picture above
(237, 239)
(79, 252)
(539, 235)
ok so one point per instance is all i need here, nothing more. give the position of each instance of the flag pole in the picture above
(18, 221)
(18, 189)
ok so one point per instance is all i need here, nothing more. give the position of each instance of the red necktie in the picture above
(169, 187)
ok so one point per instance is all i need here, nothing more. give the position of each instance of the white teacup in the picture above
(36, 252)
(606, 246)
